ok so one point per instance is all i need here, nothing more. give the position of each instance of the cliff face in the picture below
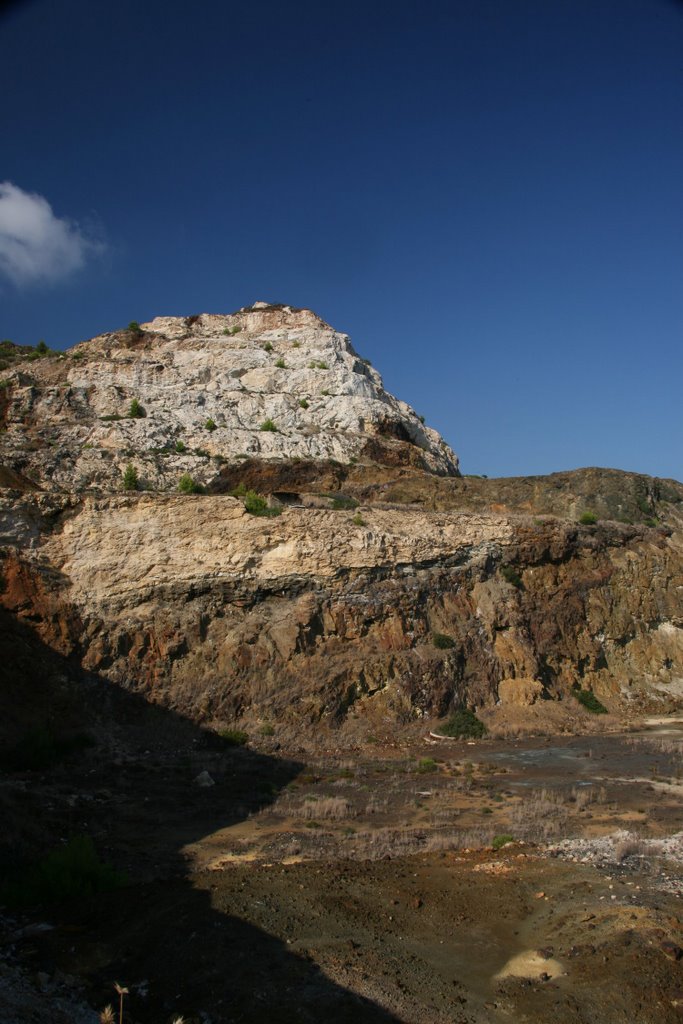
(433, 592)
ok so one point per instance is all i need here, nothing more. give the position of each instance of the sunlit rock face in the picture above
(267, 382)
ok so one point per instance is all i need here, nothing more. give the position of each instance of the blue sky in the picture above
(485, 194)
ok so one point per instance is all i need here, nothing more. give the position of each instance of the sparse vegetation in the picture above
(280, 363)
(256, 505)
(41, 748)
(303, 404)
(234, 737)
(358, 520)
(342, 501)
(511, 576)
(69, 873)
(443, 641)
(464, 724)
(426, 765)
(135, 410)
(188, 485)
(269, 426)
(588, 519)
(590, 701)
(210, 425)
(130, 478)
(268, 347)
(180, 447)
(502, 840)
(318, 364)
(134, 327)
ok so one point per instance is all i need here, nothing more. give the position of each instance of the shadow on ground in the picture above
(134, 794)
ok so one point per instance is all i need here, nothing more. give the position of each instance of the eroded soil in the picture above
(364, 887)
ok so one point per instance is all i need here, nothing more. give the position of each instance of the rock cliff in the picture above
(388, 589)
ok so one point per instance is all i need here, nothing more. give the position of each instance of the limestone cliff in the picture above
(411, 593)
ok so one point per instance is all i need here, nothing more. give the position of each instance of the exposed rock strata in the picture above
(321, 615)
(311, 617)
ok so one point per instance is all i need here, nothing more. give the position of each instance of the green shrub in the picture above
(42, 349)
(588, 519)
(267, 347)
(510, 574)
(296, 344)
(303, 404)
(232, 330)
(256, 505)
(358, 520)
(135, 412)
(280, 363)
(130, 478)
(341, 501)
(464, 724)
(180, 447)
(234, 737)
(267, 729)
(651, 522)
(502, 840)
(188, 485)
(589, 701)
(318, 364)
(425, 765)
(134, 327)
(72, 872)
(269, 426)
(443, 641)
(210, 425)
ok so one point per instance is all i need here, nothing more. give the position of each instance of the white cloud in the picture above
(36, 246)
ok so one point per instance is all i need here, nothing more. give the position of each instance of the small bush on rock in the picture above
(256, 505)
(135, 412)
(269, 426)
(188, 485)
(588, 519)
(130, 478)
(443, 641)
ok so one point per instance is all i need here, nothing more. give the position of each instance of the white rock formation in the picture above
(207, 385)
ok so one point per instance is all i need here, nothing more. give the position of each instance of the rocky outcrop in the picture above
(378, 586)
(267, 382)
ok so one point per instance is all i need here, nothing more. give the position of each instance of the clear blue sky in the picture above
(485, 194)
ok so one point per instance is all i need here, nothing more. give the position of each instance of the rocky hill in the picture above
(186, 395)
(368, 585)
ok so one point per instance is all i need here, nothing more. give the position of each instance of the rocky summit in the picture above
(187, 394)
(324, 566)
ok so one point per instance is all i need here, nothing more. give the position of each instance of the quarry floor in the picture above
(364, 886)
